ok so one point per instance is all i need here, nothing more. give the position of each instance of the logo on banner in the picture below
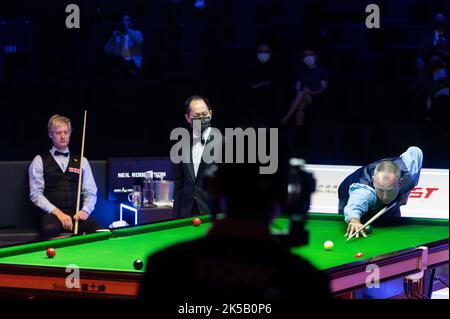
(327, 189)
(74, 170)
(421, 192)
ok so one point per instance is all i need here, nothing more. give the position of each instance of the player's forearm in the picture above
(89, 188)
(89, 201)
(357, 205)
(362, 197)
(39, 200)
(352, 215)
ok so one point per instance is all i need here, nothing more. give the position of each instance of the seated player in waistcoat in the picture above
(370, 188)
(53, 178)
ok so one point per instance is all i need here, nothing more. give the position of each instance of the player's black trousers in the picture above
(52, 227)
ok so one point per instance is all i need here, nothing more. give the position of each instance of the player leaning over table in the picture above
(53, 178)
(372, 187)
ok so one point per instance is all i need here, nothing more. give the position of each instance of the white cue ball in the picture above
(328, 245)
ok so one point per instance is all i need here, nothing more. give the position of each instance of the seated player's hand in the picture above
(65, 219)
(82, 215)
(353, 226)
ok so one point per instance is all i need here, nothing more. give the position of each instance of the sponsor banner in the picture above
(125, 173)
(429, 199)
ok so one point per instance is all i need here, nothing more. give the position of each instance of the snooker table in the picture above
(105, 259)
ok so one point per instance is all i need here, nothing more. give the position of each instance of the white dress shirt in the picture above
(197, 149)
(37, 183)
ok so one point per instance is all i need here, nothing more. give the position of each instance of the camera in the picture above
(301, 185)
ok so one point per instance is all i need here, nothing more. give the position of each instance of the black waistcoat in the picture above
(61, 187)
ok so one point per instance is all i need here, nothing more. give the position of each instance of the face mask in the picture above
(263, 57)
(309, 60)
(205, 122)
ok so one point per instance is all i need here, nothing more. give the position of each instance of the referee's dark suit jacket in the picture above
(190, 197)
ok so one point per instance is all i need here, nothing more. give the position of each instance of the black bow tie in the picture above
(61, 153)
(204, 140)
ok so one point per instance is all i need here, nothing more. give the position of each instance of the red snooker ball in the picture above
(359, 255)
(197, 221)
(51, 252)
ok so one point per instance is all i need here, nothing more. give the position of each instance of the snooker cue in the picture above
(377, 215)
(75, 231)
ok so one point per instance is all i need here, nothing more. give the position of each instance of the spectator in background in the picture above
(125, 48)
(438, 90)
(434, 42)
(311, 83)
(263, 81)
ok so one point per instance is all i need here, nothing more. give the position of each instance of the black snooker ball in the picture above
(138, 264)
(369, 229)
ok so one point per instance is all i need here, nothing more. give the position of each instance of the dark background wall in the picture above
(371, 111)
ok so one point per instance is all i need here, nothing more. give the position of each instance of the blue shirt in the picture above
(363, 197)
(37, 183)
(132, 41)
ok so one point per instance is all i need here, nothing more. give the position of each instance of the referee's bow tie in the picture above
(61, 153)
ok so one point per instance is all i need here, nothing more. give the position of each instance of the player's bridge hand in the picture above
(353, 226)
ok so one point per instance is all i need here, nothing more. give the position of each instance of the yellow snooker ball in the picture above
(328, 245)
